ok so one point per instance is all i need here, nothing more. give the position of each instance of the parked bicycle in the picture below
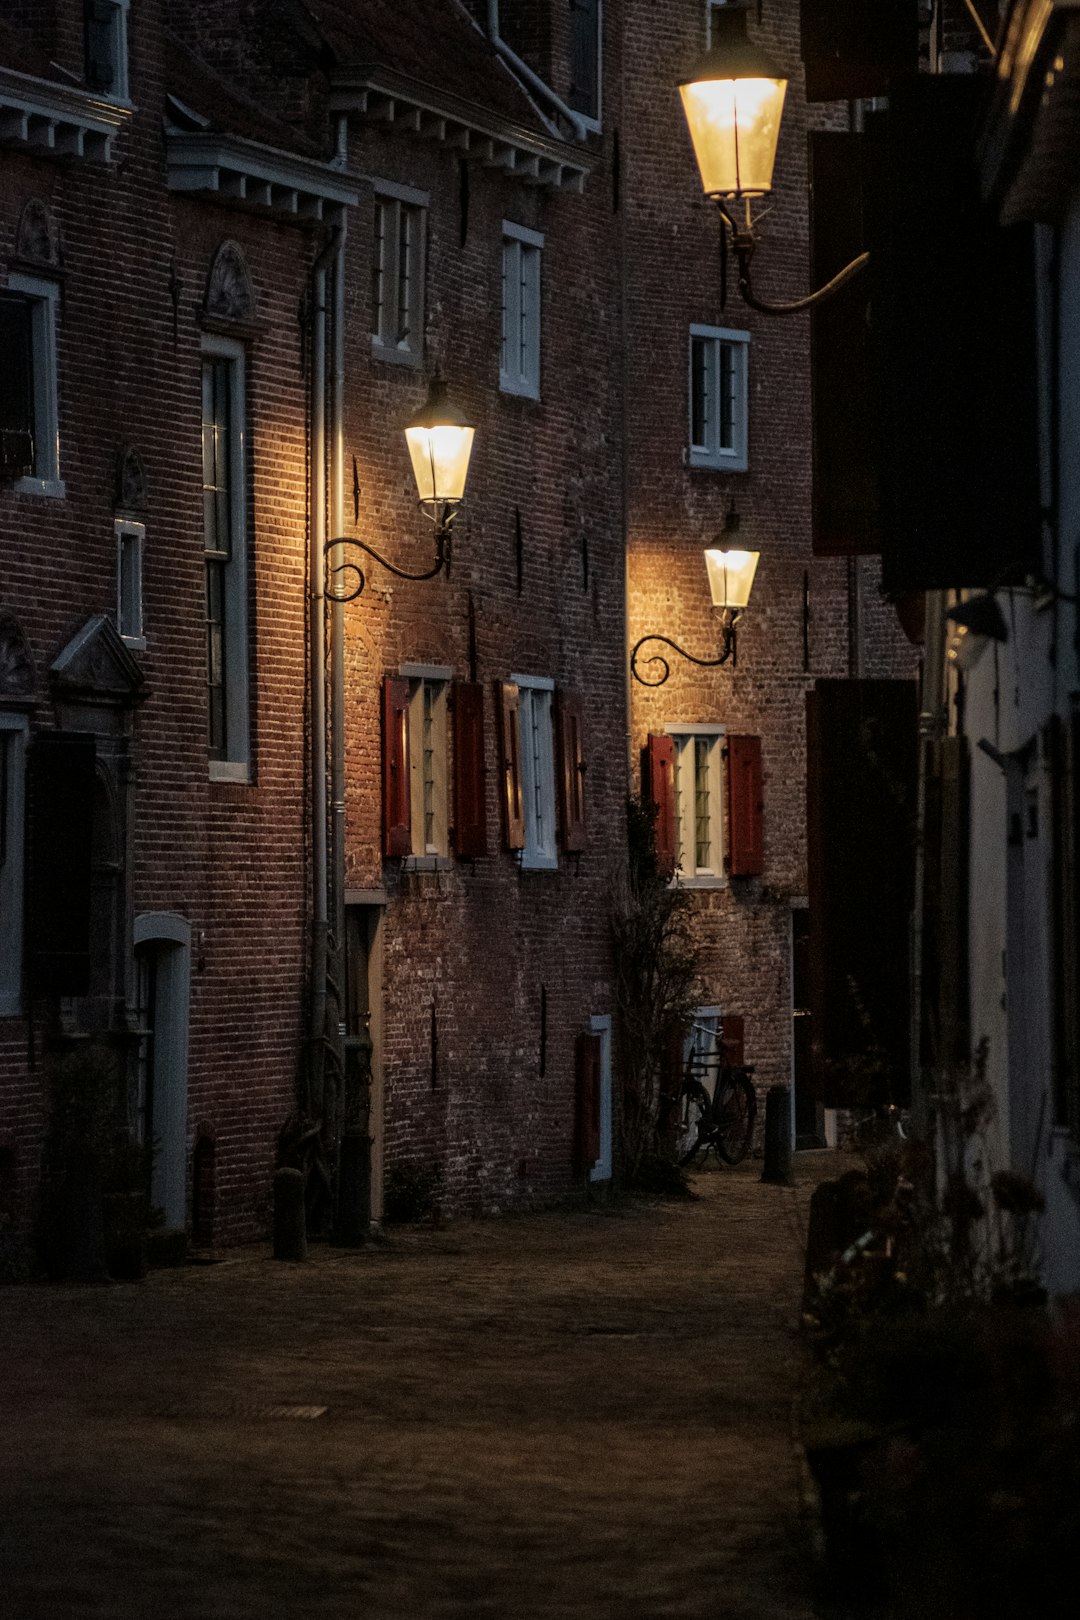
(717, 1103)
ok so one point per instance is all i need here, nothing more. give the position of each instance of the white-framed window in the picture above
(699, 803)
(130, 541)
(28, 393)
(397, 273)
(12, 788)
(711, 7)
(586, 59)
(718, 397)
(535, 697)
(106, 47)
(522, 254)
(225, 546)
(429, 785)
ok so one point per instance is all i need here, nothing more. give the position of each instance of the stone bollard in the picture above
(290, 1227)
(778, 1136)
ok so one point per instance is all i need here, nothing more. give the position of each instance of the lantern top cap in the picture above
(437, 411)
(731, 55)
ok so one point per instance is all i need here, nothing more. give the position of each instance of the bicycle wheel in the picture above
(736, 1107)
(695, 1126)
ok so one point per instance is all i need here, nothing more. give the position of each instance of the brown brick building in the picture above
(276, 851)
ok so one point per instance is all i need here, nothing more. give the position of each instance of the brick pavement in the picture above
(564, 1414)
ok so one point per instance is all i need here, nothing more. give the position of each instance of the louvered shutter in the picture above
(397, 830)
(732, 1043)
(658, 772)
(470, 799)
(508, 712)
(571, 769)
(587, 1102)
(60, 821)
(746, 841)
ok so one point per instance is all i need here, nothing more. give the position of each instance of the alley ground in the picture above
(573, 1414)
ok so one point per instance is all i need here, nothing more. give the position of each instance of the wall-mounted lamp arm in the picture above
(744, 241)
(335, 568)
(728, 619)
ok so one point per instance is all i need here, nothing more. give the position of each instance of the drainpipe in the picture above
(533, 80)
(337, 609)
(317, 587)
(931, 728)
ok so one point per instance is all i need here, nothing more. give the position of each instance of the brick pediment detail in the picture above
(97, 667)
(230, 295)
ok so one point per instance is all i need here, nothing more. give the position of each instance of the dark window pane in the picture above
(698, 401)
(16, 365)
(215, 656)
(727, 396)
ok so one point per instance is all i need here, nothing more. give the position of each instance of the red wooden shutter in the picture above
(571, 768)
(731, 1044)
(658, 772)
(61, 780)
(587, 1103)
(397, 818)
(746, 843)
(470, 799)
(508, 712)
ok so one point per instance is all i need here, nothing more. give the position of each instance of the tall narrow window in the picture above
(585, 58)
(699, 813)
(28, 391)
(428, 759)
(106, 47)
(537, 771)
(225, 542)
(129, 577)
(718, 398)
(711, 8)
(397, 274)
(519, 371)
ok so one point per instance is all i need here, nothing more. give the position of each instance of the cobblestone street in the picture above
(567, 1414)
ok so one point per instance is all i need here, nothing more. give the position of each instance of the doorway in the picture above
(808, 1120)
(362, 1036)
(162, 996)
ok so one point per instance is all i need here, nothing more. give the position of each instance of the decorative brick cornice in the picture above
(232, 169)
(58, 120)
(383, 97)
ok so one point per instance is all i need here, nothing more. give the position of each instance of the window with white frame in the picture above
(711, 7)
(519, 370)
(28, 393)
(429, 797)
(106, 47)
(130, 538)
(718, 398)
(397, 274)
(699, 801)
(12, 778)
(225, 545)
(535, 695)
(586, 17)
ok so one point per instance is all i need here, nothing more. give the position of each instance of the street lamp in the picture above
(440, 441)
(733, 102)
(731, 577)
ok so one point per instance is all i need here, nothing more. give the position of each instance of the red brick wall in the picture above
(672, 253)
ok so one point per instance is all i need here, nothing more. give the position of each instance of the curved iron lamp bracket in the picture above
(728, 620)
(442, 514)
(744, 240)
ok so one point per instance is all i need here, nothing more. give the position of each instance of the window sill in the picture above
(230, 770)
(427, 863)
(396, 357)
(705, 881)
(51, 488)
(134, 643)
(708, 462)
(520, 390)
(539, 863)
